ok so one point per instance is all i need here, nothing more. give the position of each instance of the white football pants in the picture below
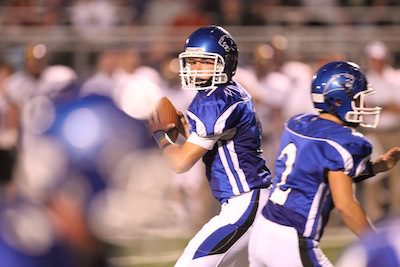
(276, 245)
(223, 241)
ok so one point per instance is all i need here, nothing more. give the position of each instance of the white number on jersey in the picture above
(280, 196)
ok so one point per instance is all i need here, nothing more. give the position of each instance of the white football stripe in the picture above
(346, 156)
(221, 121)
(228, 171)
(235, 160)
(313, 210)
(200, 127)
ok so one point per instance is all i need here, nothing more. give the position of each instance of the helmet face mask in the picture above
(340, 88)
(360, 111)
(193, 79)
(208, 44)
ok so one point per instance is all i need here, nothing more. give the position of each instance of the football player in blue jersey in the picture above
(223, 130)
(320, 157)
(380, 248)
(28, 236)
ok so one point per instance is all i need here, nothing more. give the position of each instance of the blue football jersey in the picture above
(310, 147)
(380, 248)
(27, 238)
(225, 123)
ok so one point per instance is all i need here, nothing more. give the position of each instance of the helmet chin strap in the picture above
(205, 83)
(351, 124)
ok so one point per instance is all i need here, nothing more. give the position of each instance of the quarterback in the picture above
(224, 131)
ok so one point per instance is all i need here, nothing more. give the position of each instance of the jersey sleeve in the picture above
(361, 152)
(214, 118)
(352, 156)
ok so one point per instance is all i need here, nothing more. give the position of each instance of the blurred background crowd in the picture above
(79, 78)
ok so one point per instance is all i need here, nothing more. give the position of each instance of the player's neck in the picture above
(330, 117)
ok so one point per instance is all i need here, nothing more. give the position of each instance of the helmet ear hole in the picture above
(338, 102)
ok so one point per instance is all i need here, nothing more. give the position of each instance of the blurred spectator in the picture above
(300, 75)
(93, 17)
(8, 110)
(320, 13)
(136, 10)
(22, 13)
(54, 13)
(193, 15)
(235, 12)
(168, 8)
(385, 80)
(103, 81)
(137, 87)
(155, 54)
(22, 84)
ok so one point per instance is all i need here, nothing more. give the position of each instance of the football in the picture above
(167, 114)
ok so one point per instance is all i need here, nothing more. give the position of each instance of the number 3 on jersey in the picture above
(279, 196)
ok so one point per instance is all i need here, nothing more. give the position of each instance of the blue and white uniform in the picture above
(300, 201)
(27, 237)
(380, 248)
(224, 122)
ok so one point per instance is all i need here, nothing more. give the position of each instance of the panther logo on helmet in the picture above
(338, 81)
(225, 42)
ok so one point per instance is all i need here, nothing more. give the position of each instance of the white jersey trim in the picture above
(221, 121)
(235, 160)
(346, 156)
(312, 215)
(205, 142)
(200, 127)
(231, 177)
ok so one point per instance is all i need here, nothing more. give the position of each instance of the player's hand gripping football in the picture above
(156, 124)
(162, 131)
(183, 127)
(387, 161)
(165, 123)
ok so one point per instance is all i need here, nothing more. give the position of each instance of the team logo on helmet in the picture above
(225, 42)
(339, 82)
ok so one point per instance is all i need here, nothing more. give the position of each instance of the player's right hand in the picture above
(154, 123)
(388, 160)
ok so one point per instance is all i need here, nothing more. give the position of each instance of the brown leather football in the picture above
(167, 114)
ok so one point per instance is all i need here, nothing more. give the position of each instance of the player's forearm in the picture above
(355, 218)
(177, 159)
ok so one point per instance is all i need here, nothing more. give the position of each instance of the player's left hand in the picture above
(388, 160)
(184, 126)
